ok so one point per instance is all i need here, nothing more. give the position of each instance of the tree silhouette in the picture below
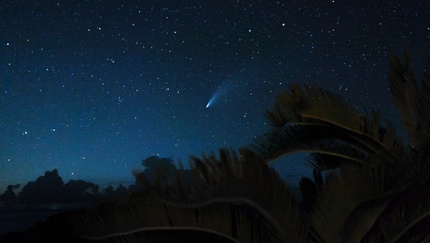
(95, 189)
(108, 190)
(46, 189)
(77, 191)
(156, 166)
(121, 189)
(9, 196)
(50, 188)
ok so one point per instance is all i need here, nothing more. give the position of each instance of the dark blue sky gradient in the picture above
(94, 87)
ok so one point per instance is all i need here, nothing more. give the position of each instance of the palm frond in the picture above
(405, 215)
(350, 203)
(319, 113)
(423, 108)
(424, 99)
(326, 162)
(233, 198)
(411, 99)
(243, 179)
(311, 138)
(404, 90)
(144, 214)
(307, 102)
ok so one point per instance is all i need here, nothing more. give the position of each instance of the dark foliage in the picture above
(9, 196)
(368, 186)
(46, 189)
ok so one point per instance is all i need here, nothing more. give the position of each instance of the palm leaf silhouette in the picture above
(375, 171)
(235, 198)
(412, 100)
(315, 116)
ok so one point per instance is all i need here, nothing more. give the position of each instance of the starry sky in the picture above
(94, 87)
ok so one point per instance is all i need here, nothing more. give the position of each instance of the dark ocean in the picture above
(21, 218)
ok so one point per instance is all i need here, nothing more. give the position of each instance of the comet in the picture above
(221, 91)
(209, 103)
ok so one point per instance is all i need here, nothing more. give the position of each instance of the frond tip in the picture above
(411, 99)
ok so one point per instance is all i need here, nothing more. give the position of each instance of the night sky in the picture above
(94, 87)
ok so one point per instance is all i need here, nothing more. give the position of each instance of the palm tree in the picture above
(368, 185)
(378, 189)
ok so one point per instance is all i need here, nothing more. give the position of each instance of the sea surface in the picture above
(20, 218)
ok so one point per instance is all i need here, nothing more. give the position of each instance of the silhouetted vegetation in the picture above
(9, 196)
(50, 188)
(155, 165)
(156, 168)
(46, 189)
(368, 185)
